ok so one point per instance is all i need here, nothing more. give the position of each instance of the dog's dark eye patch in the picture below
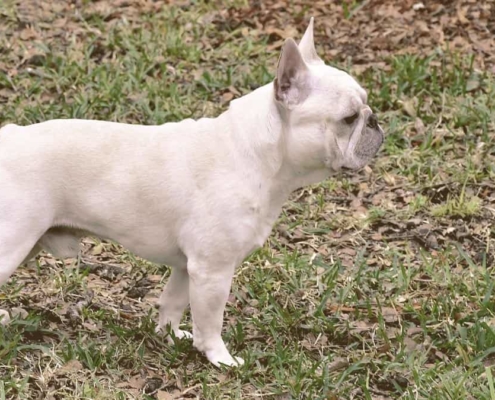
(351, 119)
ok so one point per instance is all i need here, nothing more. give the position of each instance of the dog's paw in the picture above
(239, 361)
(180, 334)
(4, 317)
(223, 358)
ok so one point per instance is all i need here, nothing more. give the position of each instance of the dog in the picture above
(197, 195)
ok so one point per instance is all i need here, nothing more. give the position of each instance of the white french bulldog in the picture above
(199, 196)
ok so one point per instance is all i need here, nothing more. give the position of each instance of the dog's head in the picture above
(331, 124)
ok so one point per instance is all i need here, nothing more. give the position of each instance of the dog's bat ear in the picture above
(307, 46)
(291, 84)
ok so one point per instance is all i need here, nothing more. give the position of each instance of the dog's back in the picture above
(82, 174)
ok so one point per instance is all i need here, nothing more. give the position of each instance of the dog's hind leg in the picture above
(15, 251)
(173, 300)
(33, 253)
(15, 247)
(61, 242)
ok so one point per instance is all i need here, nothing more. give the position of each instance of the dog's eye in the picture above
(351, 119)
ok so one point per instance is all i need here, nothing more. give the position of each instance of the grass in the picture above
(373, 285)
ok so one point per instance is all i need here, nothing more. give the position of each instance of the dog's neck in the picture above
(261, 129)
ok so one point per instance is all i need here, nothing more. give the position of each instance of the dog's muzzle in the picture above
(366, 144)
(372, 122)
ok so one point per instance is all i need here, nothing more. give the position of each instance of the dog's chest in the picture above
(263, 225)
(259, 216)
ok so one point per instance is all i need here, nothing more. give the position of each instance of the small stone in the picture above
(4, 317)
(19, 312)
(432, 242)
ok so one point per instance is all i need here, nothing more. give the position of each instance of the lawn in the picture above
(374, 285)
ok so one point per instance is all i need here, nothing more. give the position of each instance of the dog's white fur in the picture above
(195, 195)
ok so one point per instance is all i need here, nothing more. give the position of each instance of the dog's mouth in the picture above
(365, 145)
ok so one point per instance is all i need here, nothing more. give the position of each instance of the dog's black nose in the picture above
(372, 122)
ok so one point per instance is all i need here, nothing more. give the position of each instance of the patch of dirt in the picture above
(367, 34)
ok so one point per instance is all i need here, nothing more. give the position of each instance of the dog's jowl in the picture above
(196, 195)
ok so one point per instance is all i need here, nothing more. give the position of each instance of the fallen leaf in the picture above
(390, 314)
(162, 395)
(337, 364)
(409, 106)
(71, 366)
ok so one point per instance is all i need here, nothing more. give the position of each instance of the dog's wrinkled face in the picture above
(331, 124)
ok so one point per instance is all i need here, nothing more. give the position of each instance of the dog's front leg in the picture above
(208, 293)
(173, 300)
